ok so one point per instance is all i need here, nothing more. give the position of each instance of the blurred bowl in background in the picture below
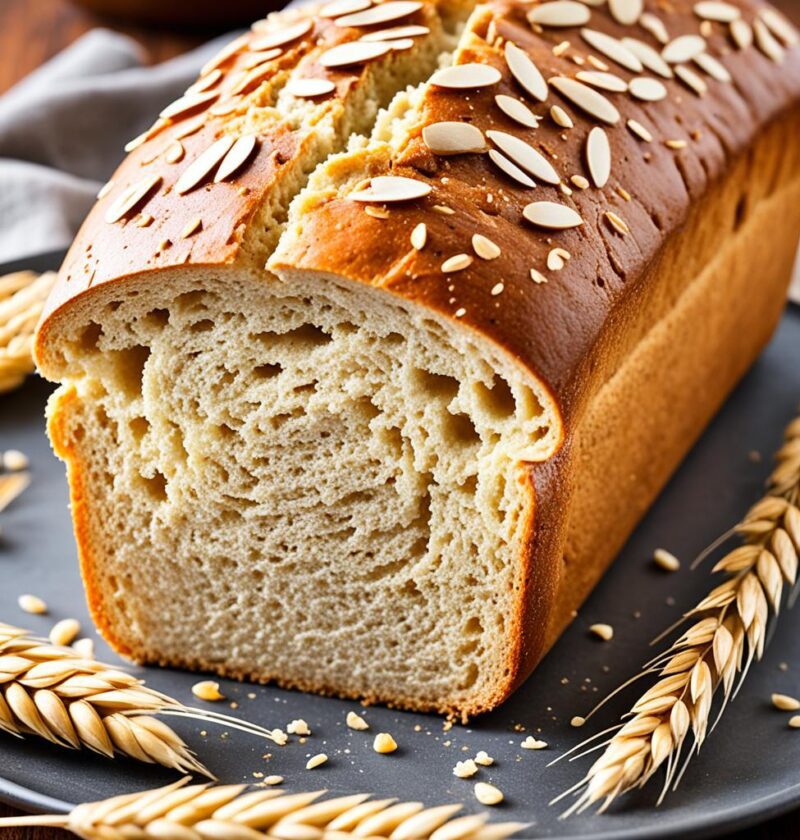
(188, 14)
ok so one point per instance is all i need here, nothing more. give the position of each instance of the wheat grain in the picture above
(53, 692)
(230, 812)
(728, 631)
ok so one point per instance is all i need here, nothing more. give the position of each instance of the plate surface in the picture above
(747, 771)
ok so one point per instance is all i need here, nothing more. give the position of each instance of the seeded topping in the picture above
(675, 144)
(310, 88)
(354, 52)
(510, 169)
(767, 42)
(742, 34)
(560, 117)
(453, 138)
(598, 156)
(516, 110)
(613, 49)
(683, 48)
(466, 76)
(131, 197)
(226, 53)
(691, 79)
(389, 188)
(580, 182)
(343, 7)
(396, 32)
(616, 222)
(714, 68)
(525, 72)
(603, 81)
(557, 258)
(625, 12)
(419, 236)
(594, 103)
(549, 214)
(286, 35)
(647, 89)
(385, 12)
(236, 157)
(655, 26)
(720, 12)
(484, 247)
(525, 156)
(560, 13)
(258, 58)
(200, 168)
(779, 26)
(651, 59)
(640, 131)
(192, 226)
(456, 263)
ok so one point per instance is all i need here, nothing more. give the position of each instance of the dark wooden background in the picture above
(31, 31)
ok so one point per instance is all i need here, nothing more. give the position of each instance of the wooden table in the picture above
(31, 31)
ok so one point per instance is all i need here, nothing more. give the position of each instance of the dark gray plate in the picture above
(747, 772)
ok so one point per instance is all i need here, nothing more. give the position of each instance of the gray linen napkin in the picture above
(63, 128)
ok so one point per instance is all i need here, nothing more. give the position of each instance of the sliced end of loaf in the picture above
(312, 482)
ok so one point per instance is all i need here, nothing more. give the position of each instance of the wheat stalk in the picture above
(22, 297)
(229, 812)
(728, 632)
(54, 693)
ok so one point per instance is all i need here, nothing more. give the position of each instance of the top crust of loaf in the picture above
(563, 329)
(559, 330)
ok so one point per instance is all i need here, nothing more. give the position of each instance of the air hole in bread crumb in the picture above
(139, 427)
(499, 400)
(267, 371)
(309, 334)
(437, 385)
(156, 486)
(90, 337)
(459, 429)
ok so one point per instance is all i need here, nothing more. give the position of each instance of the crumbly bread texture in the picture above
(392, 463)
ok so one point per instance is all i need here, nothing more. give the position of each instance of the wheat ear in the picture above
(728, 631)
(229, 812)
(22, 297)
(53, 692)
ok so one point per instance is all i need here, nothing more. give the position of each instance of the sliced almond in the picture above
(650, 58)
(453, 138)
(516, 110)
(199, 169)
(226, 53)
(174, 152)
(396, 32)
(390, 188)
(557, 259)
(309, 88)
(779, 26)
(419, 236)
(560, 13)
(683, 48)
(553, 216)
(587, 99)
(510, 169)
(466, 76)
(525, 156)
(767, 42)
(691, 79)
(191, 227)
(383, 13)
(270, 40)
(400, 44)
(742, 34)
(716, 11)
(617, 222)
(603, 81)
(205, 82)
(640, 131)
(612, 48)
(525, 71)
(655, 26)
(598, 156)
(256, 59)
(484, 247)
(537, 276)
(343, 7)
(626, 12)
(560, 117)
(603, 631)
(713, 67)
(458, 262)
(131, 197)
(236, 157)
(354, 52)
(580, 182)
(647, 89)
(188, 103)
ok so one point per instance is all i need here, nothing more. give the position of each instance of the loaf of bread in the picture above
(386, 334)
